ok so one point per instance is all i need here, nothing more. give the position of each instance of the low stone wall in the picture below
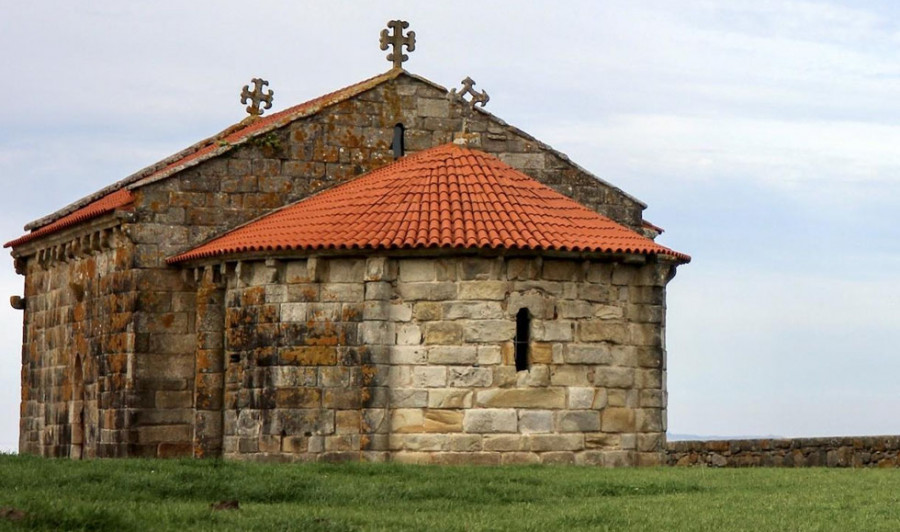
(864, 451)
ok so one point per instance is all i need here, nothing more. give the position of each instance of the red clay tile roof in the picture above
(110, 202)
(443, 197)
(203, 150)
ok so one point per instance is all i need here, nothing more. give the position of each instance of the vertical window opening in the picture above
(398, 143)
(523, 331)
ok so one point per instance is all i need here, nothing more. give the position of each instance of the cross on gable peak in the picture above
(256, 96)
(396, 41)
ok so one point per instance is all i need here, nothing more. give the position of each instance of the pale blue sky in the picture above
(763, 136)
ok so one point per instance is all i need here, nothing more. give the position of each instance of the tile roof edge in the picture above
(146, 175)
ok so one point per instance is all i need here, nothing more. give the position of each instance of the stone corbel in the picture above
(17, 302)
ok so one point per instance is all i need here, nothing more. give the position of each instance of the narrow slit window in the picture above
(523, 332)
(398, 143)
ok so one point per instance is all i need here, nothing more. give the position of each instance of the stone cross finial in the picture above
(475, 97)
(397, 40)
(257, 96)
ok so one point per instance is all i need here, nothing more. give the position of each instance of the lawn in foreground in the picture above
(176, 495)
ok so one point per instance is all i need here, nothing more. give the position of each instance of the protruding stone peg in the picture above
(17, 302)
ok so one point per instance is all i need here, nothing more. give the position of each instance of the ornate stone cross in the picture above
(257, 96)
(397, 40)
(475, 96)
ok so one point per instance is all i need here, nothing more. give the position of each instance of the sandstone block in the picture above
(488, 355)
(546, 398)
(522, 269)
(408, 354)
(650, 443)
(616, 419)
(346, 270)
(378, 291)
(574, 309)
(376, 332)
(417, 442)
(408, 398)
(578, 421)
(602, 440)
(427, 291)
(539, 305)
(648, 420)
(416, 270)
(601, 399)
(344, 292)
(597, 293)
(483, 290)
(572, 376)
(540, 353)
(558, 458)
(476, 269)
(429, 376)
(407, 420)
(581, 398)
(645, 334)
(490, 420)
(489, 331)
(602, 331)
(347, 422)
(463, 442)
(453, 355)
(557, 442)
(618, 458)
(443, 421)
(428, 311)
(535, 421)
(597, 354)
(506, 442)
(504, 376)
(411, 334)
(450, 398)
(652, 399)
(428, 107)
(459, 377)
(443, 333)
(398, 311)
(317, 355)
(377, 269)
(648, 378)
(537, 375)
(552, 331)
(613, 377)
(477, 310)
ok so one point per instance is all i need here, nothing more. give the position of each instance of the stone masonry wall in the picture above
(304, 157)
(77, 354)
(411, 359)
(864, 451)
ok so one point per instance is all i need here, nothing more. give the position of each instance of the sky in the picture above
(762, 135)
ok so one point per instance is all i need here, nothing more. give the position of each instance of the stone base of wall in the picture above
(864, 451)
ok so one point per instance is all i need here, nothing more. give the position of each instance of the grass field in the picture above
(176, 495)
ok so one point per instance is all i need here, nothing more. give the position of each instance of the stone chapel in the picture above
(385, 273)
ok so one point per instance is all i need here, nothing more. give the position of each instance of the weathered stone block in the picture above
(443, 333)
(506, 442)
(596, 354)
(489, 331)
(298, 397)
(408, 398)
(453, 355)
(578, 421)
(488, 355)
(615, 419)
(458, 377)
(490, 420)
(407, 420)
(613, 377)
(450, 398)
(552, 331)
(402, 354)
(417, 270)
(557, 442)
(443, 421)
(429, 376)
(476, 310)
(572, 376)
(535, 421)
(411, 334)
(580, 398)
(439, 291)
(602, 331)
(546, 398)
(483, 290)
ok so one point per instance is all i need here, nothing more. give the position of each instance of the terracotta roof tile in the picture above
(444, 197)
(115, 200)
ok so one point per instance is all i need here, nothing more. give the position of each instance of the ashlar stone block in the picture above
(489, 420)
(546, 398)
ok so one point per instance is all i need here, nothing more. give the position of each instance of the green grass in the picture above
(176, 495)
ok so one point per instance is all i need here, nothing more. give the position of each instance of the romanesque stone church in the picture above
(385, 272)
